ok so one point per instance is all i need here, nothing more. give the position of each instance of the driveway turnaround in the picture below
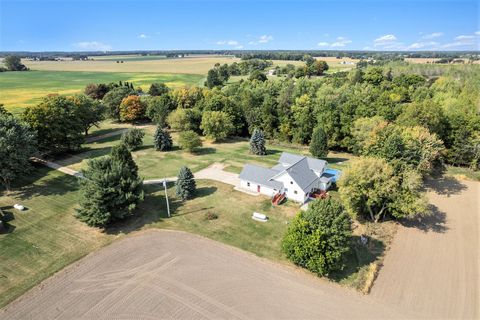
(175, 275)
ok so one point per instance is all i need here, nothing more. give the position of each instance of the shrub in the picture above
(318, 238)
(189, 140)
(133, 138)
(211, 216)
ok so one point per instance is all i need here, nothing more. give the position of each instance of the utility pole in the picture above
(166, 195)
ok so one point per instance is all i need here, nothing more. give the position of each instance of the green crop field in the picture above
(20, 89)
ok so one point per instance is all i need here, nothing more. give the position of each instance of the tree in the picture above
(374, 76)
(90, 112)
(158, 108)
(96, 91)
(132, 108)
(257, 75)
(318, 68)
(184, 119)
(110, 191)
(57, 123)
(216, 125)
(121, 154)
(213, 79)
(185, 185)
(370, 188)
(113, 99)
(427, 114)
(189, 140)
(14, 63)
(318, 238)
(319, 143)
(162, 140)
(257, 143)
(158, 89)
(17, 144)
(302, 111)
(133, 138)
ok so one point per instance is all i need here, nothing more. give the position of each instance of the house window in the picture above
(295, 192)
(248, 184)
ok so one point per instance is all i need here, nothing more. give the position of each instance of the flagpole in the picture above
(166, 196)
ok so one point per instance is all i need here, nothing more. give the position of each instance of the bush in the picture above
(133, 138)
(162, 140)
(189, 140)
(318, 238)
(211, 216)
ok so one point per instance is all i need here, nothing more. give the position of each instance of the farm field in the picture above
(188, 65)
(20, 89)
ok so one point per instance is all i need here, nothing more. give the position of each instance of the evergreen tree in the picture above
(319, 143)
(110, 191)
(257, 143)
(122, 155)
(185, 185)
(133, 138)
(162, 140)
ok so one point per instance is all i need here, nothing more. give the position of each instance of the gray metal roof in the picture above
(314, 164)
(260, 175)
(302, 174)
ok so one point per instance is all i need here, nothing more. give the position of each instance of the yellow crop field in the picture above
(189, 65)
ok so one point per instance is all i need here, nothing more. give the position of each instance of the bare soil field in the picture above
(175, 275)
(433, 267)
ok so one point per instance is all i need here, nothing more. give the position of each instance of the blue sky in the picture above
(243, 24)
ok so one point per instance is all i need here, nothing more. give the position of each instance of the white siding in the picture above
(291, 186)
(253, 187)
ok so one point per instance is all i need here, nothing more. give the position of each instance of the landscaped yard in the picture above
(234, 153)
(47, 237)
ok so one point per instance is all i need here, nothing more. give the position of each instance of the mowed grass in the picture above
(20, 89)
(234, 153)
(46, 237)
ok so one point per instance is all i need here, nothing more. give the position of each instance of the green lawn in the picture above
(20, 89)
(234, 153)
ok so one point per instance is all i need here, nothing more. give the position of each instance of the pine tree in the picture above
(318, 144)
(257, 143)
(111, 189)
(162, 140)
(185, 185)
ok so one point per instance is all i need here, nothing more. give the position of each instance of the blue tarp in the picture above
(334, 172)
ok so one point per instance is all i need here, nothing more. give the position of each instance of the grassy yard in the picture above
(20, 89)
(45, 238)
(234, 153)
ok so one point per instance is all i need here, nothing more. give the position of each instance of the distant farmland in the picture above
(20, 89)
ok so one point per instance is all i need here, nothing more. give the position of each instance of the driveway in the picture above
(216, 172)
(433, 267)
(175, 275)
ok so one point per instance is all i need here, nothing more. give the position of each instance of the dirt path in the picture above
(167, 274)
(433, 268)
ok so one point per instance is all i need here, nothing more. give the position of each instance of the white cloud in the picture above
(465, 38)
(92, 46)
(341, 42)
(423, 45)
(262, 39)
(265, 39)
(477, 33)
(143, 36)
(432, 35)
(385, 39)
(228, 42)
(239, 47)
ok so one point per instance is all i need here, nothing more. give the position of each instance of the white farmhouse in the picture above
(296, 176)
